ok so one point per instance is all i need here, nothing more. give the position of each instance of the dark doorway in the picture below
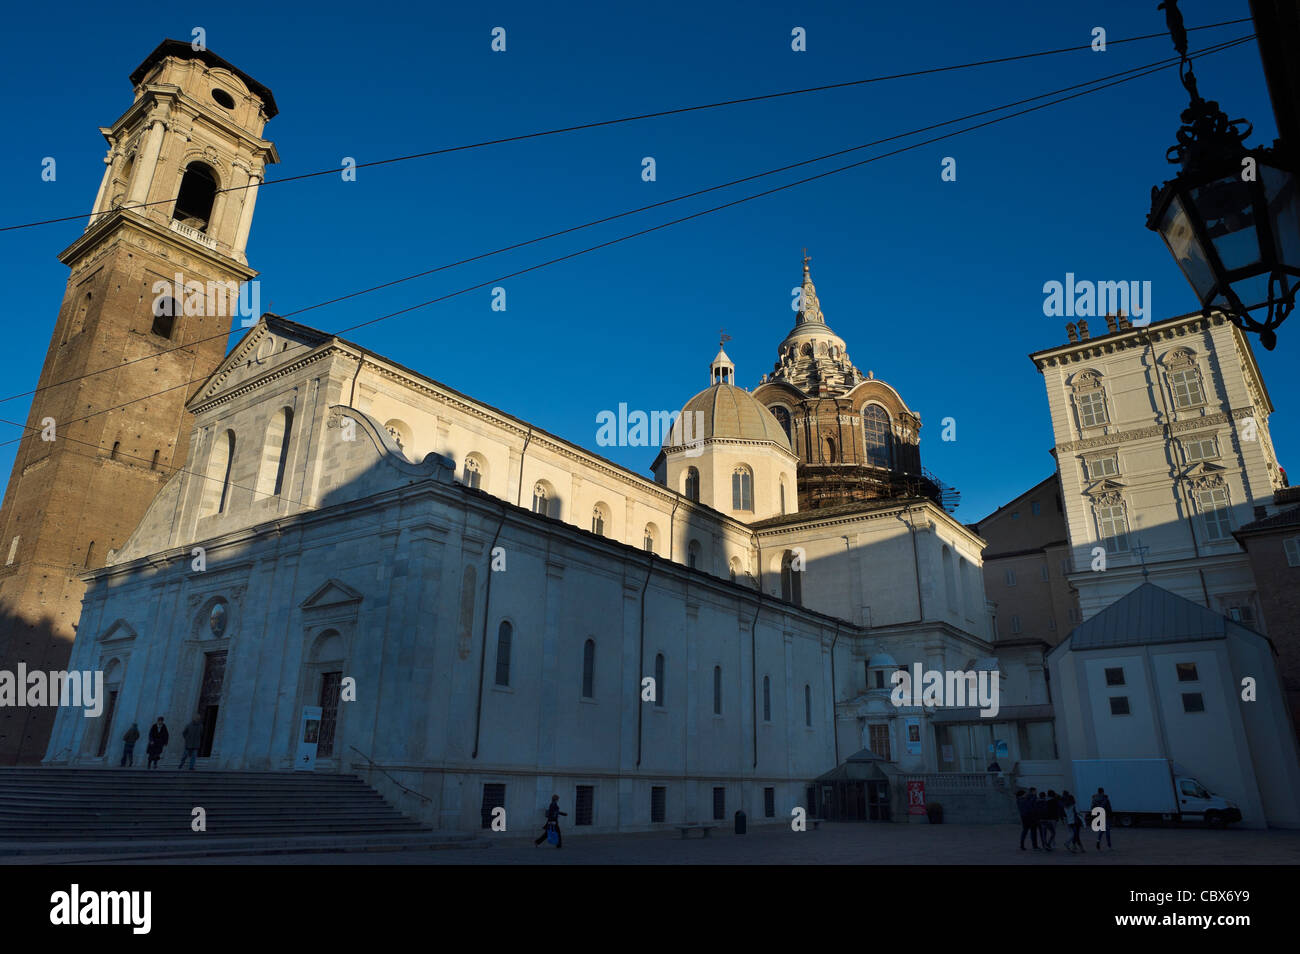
(329, 713)
(878, 801)
(197, 193)
(109, 707)
(214, 674)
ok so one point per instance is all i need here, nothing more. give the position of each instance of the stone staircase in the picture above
(63, 809)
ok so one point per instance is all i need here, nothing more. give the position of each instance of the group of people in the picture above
(1040, 811)
(158, 739)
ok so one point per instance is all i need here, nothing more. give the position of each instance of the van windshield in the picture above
(1193, 789)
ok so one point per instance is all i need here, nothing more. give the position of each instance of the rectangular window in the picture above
(494, 796)
(1099, 467)
(1205, 448)
(1214, 507)
(1193, 702)
(1119, 705)
(1115, 677)
(584, 804)
(1035, 508)
(1112, 527)
(658, 799)
(1185, 384)
(1187, 672)
(769, 803)
(719, 803)
(880, 740)
(1015, 624)
(1011, 577)
(1292, 548)
(1042, 571)
(1092, 407)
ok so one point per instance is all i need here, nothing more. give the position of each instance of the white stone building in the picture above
(498, 595)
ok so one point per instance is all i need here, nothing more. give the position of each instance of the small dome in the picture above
(882, 661)
(729, 413)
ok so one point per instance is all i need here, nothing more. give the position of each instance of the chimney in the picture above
(1124, 322)
(1083, 330)
(1110, 323)
(1070, 330)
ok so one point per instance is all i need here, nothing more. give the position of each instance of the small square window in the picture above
(1193, 702)
(1015, 515)
(1119, 705)
(1187, 672)
(1115, 677)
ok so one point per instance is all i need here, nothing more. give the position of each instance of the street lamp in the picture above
(1231, 217)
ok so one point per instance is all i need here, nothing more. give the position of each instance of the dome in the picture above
(729, 413)
(882, 661)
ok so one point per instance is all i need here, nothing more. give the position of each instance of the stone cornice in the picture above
(1155, 430)
(1093, 348)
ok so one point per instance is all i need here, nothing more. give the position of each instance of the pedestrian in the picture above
(193, 736)
(1070, 809)
(1051, 815)
(553, 814)
(1100, 800)
(157, 742)
(1046, 824)
(1028, 824)
(128, 746)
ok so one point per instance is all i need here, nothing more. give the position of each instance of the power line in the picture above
(483, 255)
(694, 215)
(654, 115)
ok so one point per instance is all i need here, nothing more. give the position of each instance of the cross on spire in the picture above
(723, 337)
(1141, 552)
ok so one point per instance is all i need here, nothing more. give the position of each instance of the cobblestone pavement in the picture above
(889, 844)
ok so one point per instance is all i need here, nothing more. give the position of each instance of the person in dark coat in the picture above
(1102, 801)
(193, 736)
(157, 742)
(1072, 818)
(1050, 810)
(553, 814)
(1026, 803)
(128, 745)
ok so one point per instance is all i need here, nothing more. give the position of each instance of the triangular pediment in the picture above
(272, 342)
(1104, 487)
(1204, 469)
(331, 593)
(121, 629)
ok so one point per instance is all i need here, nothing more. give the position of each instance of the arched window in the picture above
(659, 680)
(783, 418)
(165, 310)
(742, 488)
(877, 439)
(792, 578)
(197, 194)
(541, 500)
(225, 478)
(399, 432)
(717, 690)
(734, 569)
(589, 669)
(693, 554)
(90, 553)
(505, 633)
(767, 698)
(831, 456)
(598, 518)
(807, 705)
(216, 485)
(275, 454)
(692, 484)
(473, 473)
(112, 455)
(783, 496)
(648, 538)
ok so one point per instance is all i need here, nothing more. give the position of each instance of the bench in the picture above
(687, 829)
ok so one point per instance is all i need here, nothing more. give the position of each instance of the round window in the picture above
(223, 98)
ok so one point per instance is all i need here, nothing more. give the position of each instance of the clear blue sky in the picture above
(936, 286)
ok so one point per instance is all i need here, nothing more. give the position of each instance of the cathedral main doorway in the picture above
(214, 675)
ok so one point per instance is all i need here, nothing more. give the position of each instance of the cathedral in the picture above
(471, 612)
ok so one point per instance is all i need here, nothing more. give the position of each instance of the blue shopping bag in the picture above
(552, 836)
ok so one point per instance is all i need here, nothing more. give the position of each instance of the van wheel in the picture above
(1215, 820)
(1126, 821)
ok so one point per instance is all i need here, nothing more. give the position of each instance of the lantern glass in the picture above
(1227, 208)
(1185, 246)
(1284, 213)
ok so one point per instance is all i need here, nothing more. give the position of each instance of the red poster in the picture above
(916, 797)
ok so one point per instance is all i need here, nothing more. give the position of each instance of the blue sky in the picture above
(936, 286)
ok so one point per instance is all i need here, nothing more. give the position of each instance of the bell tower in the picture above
(155, 279)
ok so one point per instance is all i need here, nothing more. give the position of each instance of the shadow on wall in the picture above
(36, 645)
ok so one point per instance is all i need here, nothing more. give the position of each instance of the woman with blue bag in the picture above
(551, 832)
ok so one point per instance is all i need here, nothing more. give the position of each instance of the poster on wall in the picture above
(308, 737)
(913, 736)
(916, 797)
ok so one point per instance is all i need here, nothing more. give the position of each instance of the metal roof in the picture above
(1149, 615)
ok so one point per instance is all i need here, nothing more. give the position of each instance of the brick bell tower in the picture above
(177, 198)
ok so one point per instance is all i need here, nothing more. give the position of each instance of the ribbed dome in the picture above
(730, 413)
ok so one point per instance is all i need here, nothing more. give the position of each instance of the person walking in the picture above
(553, 814)
(1102, 801)
(128, 746)
(157, 742)
(1045, 826)
(1051, 815)
(1028, 824)
(1070, 809)
(193, 736)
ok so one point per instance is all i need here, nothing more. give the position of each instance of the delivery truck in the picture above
(1150, 790)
